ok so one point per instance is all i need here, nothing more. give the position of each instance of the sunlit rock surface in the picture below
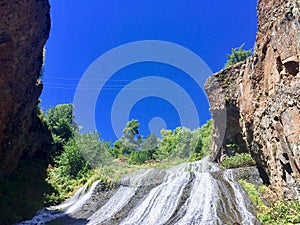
(262, 99)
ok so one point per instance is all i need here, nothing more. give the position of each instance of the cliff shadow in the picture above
(22, 193)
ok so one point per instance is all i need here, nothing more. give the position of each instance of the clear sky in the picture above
(82, 31)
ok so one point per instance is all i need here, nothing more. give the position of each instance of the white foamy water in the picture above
(190, 193)
(161, 202)
(72, 205)
(114, 204)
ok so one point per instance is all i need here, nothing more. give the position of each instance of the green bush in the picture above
(70, 171)
(284, 212)
(71, 162)
(138, 157)
(60, 122)
(280, 212)
(238, 160)
(168, 143)
(203, 143)
(94, 151)
(237, 55)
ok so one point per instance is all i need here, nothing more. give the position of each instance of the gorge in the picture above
(260, 98)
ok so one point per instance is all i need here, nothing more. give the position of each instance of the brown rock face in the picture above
(261, 98)
(24, 29)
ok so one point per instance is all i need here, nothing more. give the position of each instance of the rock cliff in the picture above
(260, 99)
(24, 29)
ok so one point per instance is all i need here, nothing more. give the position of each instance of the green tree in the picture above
(60, 121)
(202, 141)
(184, 146)
(197, 142)
(237, 55)
(94, 151)
(130, 141)
(71, 162)
(131, 136)
(118, 149)
(150, 145)
(138, 157)
(168, 143)
(206, 134)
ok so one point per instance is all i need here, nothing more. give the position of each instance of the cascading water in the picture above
(72, 205)
(162, 200)
(190, 193)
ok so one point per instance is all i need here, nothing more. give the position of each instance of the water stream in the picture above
(190, 193)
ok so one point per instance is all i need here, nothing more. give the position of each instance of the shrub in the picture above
(284, 212)
(71, 162)
(239, 160)
(203, 143)
(71, 171)
(94, 151)
(280, 212)
(60, 122)
(237, 55)
(138, 157)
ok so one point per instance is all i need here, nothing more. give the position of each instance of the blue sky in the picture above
(82, 31)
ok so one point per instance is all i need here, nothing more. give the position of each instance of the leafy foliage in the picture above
(71, 162)
(60, 121)
(238, 160)
(70, 171)
(74, 154)
(94, 151)
(185, 145)
(138, 157)
(279, 212)
(81, 153)
(150, 146)
(253, 194)
(203, 142)
(168, 143)
(131, 138)
(130, 141)
(237, 55)
(283, 212)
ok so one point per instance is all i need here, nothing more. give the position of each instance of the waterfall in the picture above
(114, 204)
(162, 200)
(189, 193)
(72, 205)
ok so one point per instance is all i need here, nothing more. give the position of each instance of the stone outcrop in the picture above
(260, 99)
(24, 29)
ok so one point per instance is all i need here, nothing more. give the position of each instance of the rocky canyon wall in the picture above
(24, 29)
(260, 99)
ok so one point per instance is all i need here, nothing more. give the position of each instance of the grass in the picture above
(254, 194)
(66, 186)
(118, 169)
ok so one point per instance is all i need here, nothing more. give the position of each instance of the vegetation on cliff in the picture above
(238, 160)
(272, 210)
(237, 55)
